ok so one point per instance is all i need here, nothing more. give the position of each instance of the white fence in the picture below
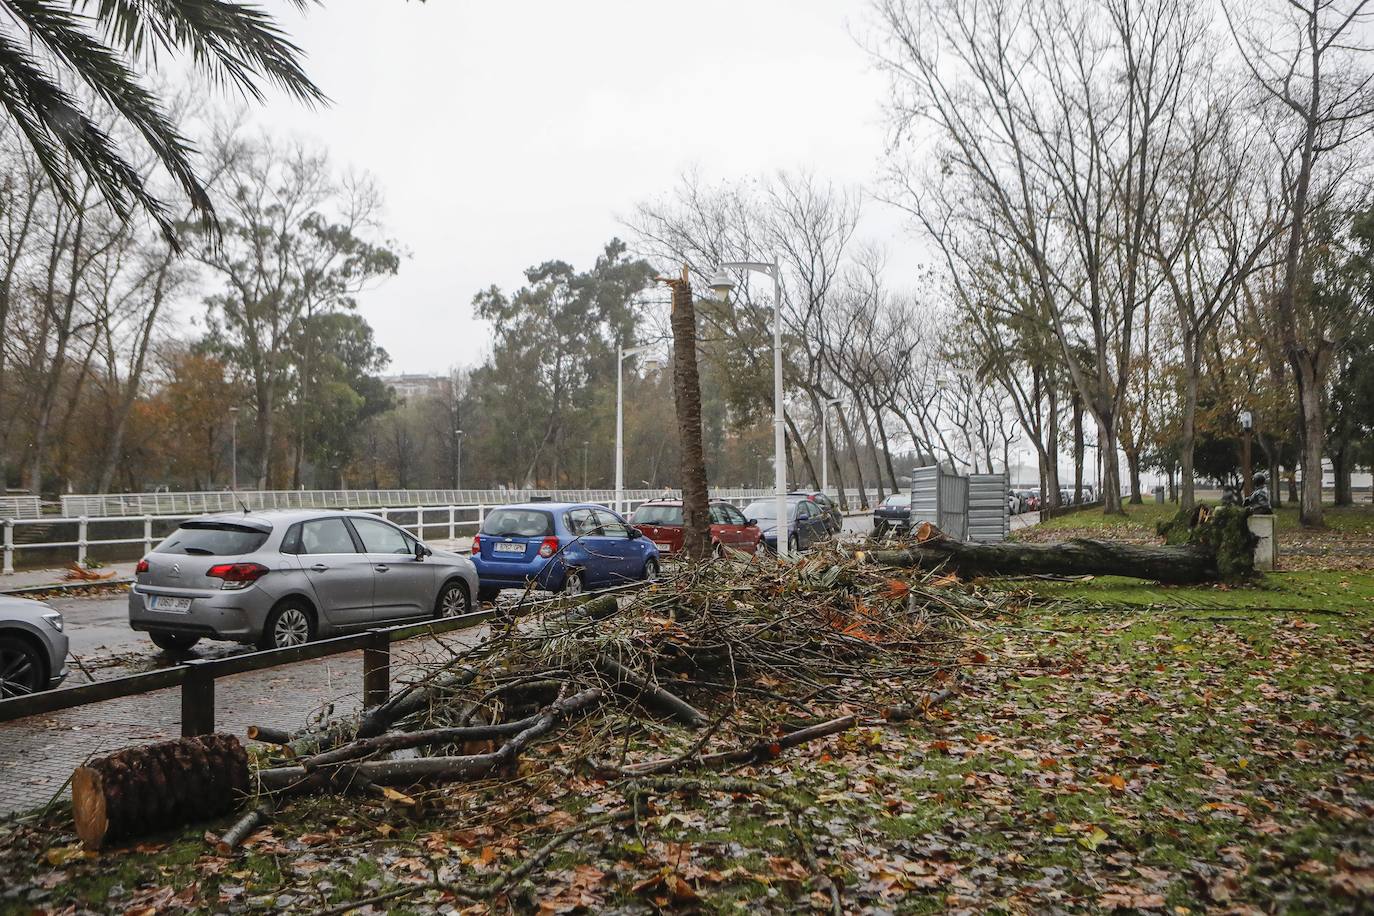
(448, 520)
(20, 507)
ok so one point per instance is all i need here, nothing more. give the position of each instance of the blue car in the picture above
(893, 515)
(559, 547)
(806, 522)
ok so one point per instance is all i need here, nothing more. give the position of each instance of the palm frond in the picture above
(229, 42)
(60, 134)
(99, 43)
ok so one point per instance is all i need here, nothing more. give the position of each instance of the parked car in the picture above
(894, 514)
(1031, 500)
(661, 522)
(561, 547)
(33, 648)
(284, 577)
(833, 516)
(806, 522)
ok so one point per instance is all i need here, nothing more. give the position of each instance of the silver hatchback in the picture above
(282, 578)
(33, 648)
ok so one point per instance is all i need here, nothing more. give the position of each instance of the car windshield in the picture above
(518, 523)
(658, 515)
(765, 509)
(213, 539)
(898, 501)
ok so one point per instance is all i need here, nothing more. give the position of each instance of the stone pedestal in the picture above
(1267, 550)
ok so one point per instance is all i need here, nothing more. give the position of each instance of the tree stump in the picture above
(141, 790)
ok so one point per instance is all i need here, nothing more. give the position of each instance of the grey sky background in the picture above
(508, 133)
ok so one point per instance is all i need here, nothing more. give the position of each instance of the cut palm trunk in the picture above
(140, 790)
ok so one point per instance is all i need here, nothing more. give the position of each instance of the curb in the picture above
(64, 586)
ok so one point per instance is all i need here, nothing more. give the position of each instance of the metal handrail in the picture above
(197, 677)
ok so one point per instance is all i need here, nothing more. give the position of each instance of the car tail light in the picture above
(237, 575)
(142, 567)
(476, 544)
(548, 548)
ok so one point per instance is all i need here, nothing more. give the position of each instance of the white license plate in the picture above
(667, 548)
(509, 548)
(170, 604)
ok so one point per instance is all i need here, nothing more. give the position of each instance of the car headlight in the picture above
(54, 620)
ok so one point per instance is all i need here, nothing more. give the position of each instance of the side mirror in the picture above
(751, 521)
(634, 533)
(421, 551)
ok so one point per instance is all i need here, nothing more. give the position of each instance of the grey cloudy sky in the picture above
(509, 133)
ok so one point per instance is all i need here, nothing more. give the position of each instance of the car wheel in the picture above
(794, 544)
(174, 644)
(651, 570)
(453, 600)
(761, 546)
(290, 624)
(573, 585)
(22, 668)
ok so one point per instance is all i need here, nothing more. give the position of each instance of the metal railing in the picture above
(20, 507)
(449, 521)
(199, 503)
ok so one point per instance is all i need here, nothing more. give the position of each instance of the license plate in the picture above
(509, 548)
(170, 604)
(667, 548)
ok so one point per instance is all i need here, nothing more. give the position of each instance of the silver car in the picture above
(33, 648)
(282, 578)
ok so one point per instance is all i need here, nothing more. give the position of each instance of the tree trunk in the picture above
(1173, 565)
(142, 790)
(800, 444)
(858, 459)
(1133, 468)
(1340, 469)
(1077, 447)
(687, 400)
(887, 451)
(1111, 468)
(872, 447)
(1311, 416)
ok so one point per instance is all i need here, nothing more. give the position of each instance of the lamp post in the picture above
(1247, 425)
(723, 283)
(825, 442)
(233, 448)
(621, 354)
(585, 443)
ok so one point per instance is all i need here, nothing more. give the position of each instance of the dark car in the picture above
(661, 522)
(833, 517)
(560, 547)
(893, 515)
(806, 522)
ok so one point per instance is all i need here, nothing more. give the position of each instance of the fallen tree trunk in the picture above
(1080, 556)
(638, 687)
(145, 789)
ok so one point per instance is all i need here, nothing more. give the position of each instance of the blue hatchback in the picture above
(560, 547)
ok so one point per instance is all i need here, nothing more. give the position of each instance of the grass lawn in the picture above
(1346, 519)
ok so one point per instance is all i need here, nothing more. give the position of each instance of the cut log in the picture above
(141, 790)
(268, 735)
(1080, 556)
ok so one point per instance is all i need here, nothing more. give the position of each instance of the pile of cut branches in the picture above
(643, 695)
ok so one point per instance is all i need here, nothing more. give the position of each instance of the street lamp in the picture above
(723, 283)
(1247, 425)
(233, 448)
(825, 441)
(651, 365)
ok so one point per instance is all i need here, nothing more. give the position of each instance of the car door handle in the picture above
(382, 567)
(319, 567)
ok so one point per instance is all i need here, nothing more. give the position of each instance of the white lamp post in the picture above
(825, 442)
(621, 355)
(722, 283)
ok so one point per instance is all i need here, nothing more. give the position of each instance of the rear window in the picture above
(215, 540)
(519, 523)
(658, 515)
(898, 501)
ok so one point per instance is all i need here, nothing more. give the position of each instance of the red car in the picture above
(661, 522)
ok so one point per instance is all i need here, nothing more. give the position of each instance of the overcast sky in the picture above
(509, 133)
